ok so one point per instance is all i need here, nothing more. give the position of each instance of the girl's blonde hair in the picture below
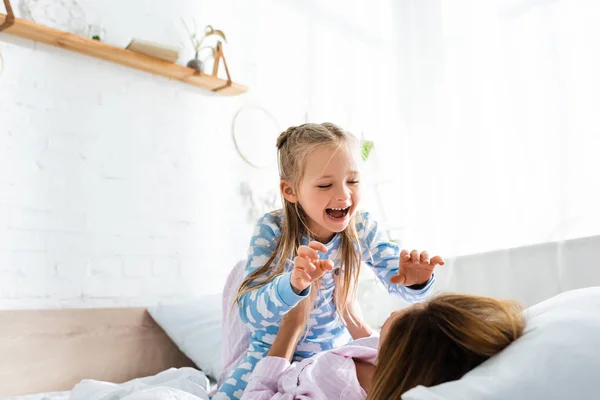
(293, 147)
(441, 340)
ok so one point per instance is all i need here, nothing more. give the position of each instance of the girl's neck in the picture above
(324, 239)
(319, 235)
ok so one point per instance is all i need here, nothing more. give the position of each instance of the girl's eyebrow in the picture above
(353, 172)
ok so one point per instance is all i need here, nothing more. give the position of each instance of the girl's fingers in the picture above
(424, 257)
(398, 279)
(437, 260)
(304, 264)
(308, 252)
(317, 246)
(302, 274)
(404, 255)
(325, 265)
(414, 256)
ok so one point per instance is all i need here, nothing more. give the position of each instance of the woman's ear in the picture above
(287, 190)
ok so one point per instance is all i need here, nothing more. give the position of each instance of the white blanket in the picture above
(172, 384)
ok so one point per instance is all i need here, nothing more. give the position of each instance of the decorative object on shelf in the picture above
(156, 50)
(27, 29)
(96, 32)
(254, 131)
(65, 15)
(10, 16)
(196, 63)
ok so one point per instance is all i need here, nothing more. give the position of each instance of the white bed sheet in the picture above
(175, 383)
(42, 396)
(182, 378)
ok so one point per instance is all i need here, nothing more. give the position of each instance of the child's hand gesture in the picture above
(307, 266)
(415, 268)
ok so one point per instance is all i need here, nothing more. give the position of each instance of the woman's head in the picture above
(318, 167)
(441, 340)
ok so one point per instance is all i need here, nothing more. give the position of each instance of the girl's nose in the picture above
(343, 194)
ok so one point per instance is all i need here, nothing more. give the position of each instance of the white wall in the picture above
(121, 188)
(118, 187)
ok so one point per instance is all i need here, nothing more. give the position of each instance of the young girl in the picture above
(321, 194)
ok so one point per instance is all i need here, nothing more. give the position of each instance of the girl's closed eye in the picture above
(354, 182)
(324, 186)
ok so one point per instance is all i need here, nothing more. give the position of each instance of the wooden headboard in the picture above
(52, 350)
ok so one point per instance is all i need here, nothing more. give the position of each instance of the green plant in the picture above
(365, 148)
(208, 32)
(95, 32)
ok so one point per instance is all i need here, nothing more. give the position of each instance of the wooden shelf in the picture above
(40, 33)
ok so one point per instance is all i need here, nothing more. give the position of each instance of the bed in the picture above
(49, 351)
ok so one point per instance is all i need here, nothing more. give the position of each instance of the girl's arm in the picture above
(352, 315)
(355, 323)
(290, 331)
(264, 382)
(383, 257)
(268, 304)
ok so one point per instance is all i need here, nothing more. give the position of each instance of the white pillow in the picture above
(195, 327)
(558, 357)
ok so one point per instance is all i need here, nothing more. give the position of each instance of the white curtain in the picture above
(483, 113)
(499, 106)
(327, 61)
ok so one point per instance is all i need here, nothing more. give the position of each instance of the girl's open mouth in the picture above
(337, 213)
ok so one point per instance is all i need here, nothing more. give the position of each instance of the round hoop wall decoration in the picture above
(254, 131)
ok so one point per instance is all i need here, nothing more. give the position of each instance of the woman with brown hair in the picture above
(426, 344)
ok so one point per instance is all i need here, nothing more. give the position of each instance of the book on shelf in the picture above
(156, 50)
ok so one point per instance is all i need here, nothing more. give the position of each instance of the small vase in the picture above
(196, 64)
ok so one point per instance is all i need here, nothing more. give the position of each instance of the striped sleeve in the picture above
(266, 305)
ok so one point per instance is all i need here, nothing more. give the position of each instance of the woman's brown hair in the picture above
(441, 340)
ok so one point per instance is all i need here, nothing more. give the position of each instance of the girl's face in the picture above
(329, 192)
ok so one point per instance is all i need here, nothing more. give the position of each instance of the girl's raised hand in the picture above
(415, 268)
(307, 266)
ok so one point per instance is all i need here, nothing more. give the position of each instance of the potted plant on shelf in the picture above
(197, 43)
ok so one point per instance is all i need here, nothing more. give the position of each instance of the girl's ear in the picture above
(287, 190)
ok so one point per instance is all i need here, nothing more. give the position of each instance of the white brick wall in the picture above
(117, 187)
(121, 188)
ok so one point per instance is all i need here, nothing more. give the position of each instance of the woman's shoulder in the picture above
(367, 347)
